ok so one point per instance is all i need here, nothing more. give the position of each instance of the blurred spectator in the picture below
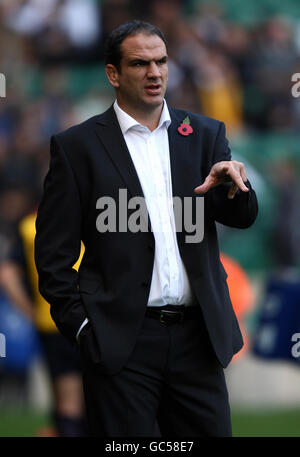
(209, 22)
(286, 235)
(61, 30)
(220, 90)
(19, 280)
(116, 12)
(273, 58)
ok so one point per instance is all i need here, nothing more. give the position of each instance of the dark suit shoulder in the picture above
(77, 140)
(78, 130)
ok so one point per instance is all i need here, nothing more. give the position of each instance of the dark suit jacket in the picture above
(112, 287)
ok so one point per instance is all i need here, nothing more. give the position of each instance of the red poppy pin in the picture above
(185, 127)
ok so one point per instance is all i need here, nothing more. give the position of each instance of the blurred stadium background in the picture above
(230, 60)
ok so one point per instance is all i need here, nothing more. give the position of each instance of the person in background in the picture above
(19, 280)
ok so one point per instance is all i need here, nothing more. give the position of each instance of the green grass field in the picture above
(275, 423)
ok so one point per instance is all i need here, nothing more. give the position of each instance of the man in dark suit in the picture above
(149, 306)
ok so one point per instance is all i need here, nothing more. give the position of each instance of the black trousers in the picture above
(172, 379)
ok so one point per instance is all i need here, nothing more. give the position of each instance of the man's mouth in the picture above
(153, 89)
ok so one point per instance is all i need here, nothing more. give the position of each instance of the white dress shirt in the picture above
(151, 158)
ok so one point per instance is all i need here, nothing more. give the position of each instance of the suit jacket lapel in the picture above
(110, 135)
(184, 169)
(185, 160)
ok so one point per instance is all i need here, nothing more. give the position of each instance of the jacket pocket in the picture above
(88, 345)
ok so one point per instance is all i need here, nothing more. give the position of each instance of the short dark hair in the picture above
(113, 54)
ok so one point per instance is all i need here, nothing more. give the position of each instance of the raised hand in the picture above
(225, 171)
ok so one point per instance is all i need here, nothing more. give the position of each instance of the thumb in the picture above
(208, 183)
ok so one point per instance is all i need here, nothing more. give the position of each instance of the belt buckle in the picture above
(164, 313)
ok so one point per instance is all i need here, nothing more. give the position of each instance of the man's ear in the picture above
(112, 75)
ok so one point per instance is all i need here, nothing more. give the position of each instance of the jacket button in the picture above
(151, 247)
(145, 284)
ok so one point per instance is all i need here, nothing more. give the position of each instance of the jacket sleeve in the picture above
(58, 242)
(241, 211)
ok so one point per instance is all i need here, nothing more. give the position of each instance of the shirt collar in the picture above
(126, 122)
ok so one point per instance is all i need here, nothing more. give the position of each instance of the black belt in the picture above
(172, 313)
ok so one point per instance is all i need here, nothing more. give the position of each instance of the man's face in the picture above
(142, 79)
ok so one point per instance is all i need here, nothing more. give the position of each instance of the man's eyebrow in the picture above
(163, 59)
(139, 61)
(144, 61)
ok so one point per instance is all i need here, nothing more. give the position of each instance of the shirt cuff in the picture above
(81, 327)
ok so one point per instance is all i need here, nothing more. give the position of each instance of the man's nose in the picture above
(153, 70)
